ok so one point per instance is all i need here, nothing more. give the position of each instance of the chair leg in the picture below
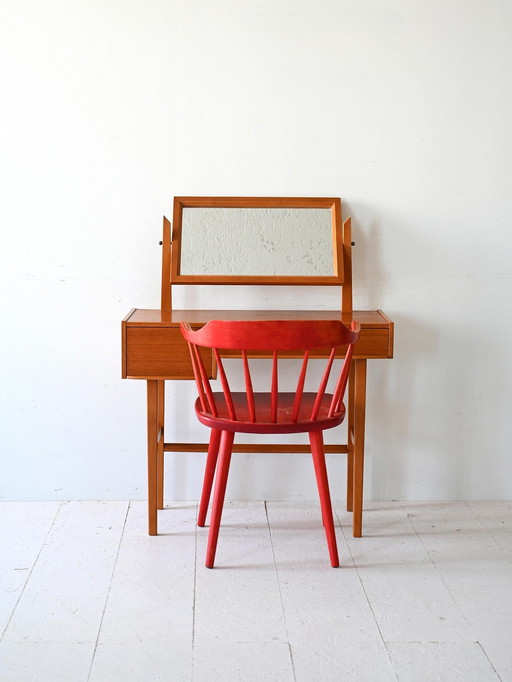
(209, 472)
(221, 479)
(317, 449)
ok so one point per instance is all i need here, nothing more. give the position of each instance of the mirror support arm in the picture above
(166, 302)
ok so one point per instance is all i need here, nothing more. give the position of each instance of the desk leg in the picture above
(358, 459)
(160, 447)
(152, 409)
(350, 437)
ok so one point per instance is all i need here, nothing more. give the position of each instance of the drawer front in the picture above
(374, 343)
(161, 353)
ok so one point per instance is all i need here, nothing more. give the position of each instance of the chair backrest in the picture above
(300, 337)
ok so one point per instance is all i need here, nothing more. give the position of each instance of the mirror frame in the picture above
(334, 204)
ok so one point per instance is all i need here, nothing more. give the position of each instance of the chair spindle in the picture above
(202, 382)
(274, 388)
(248, 387)
(341, 384)
(300, 387)
(323, 385)
(225, 385)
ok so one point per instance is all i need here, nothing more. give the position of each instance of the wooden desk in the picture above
(154, 350)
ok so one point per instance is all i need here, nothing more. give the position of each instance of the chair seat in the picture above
(263, 422)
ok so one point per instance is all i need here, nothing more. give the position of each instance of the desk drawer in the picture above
(158, 353)
(374, 343)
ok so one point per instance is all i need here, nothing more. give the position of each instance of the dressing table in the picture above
(287, 242)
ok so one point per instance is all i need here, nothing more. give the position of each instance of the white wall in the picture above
(111, 108)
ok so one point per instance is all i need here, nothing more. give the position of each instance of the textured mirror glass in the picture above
(256, 241)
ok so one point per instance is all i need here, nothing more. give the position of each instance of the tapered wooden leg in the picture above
(152, 416)
(160, 453)
(317, 449)
(359, 424)
(221, 479)
(317, 477)
(209, 472)
(350, 437)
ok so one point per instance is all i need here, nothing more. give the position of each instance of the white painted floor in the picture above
(86, 595)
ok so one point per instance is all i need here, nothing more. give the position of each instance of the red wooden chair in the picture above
(274, 412)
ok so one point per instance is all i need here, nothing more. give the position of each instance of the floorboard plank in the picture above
(148, 619)
(238, 600)
(23, 530)
(64, 598)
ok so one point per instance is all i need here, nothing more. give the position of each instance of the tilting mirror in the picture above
(254, 240)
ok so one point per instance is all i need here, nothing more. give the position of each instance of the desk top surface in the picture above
(145, 317)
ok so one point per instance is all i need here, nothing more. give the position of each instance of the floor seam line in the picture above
(441, 576)
(52, 524)
(128, 507)
(367, 597)
(279, 589)
(488, 659)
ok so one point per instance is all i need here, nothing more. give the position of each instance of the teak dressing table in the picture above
(154, 350)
